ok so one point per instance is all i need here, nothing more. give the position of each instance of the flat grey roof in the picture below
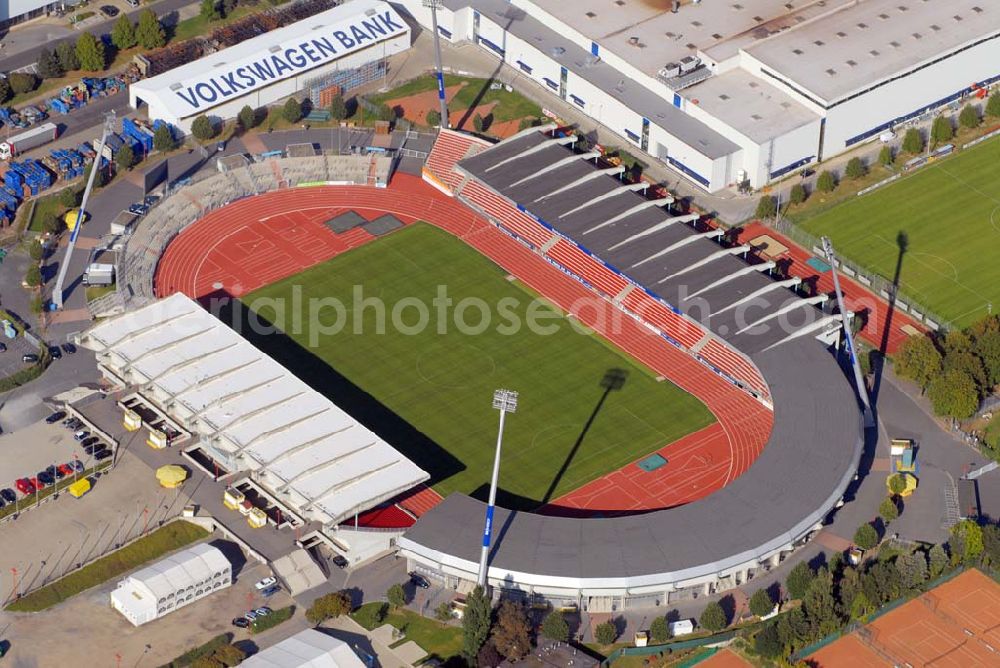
(861, 44)
(643, 101)
(805, 467)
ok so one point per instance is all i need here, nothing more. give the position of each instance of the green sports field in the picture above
(440, 385)
(950, 211)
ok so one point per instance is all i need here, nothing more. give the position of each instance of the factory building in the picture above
(18, 11)
(269, 68)
(744, 92)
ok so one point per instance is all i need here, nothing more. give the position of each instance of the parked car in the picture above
(24, 486)
(241, 622)
(80, 435)
(263, 611)
(76, 465)
(101, 455)
(55, 417)
(36, 483)
(150, 200)
(2, 503)
(90, 440)
(68, 348)
(250, 616)
(266, 582)
(3, 347)
(8, 495)
(66, 469)
(73, 424)
(339, 561)
(270, 591)
(45, 478)
(132, 3)
(55, 352)
(29, 358)
(92, 448)
(55, 471)
(110, 11)
(419, 581)
(138, 209)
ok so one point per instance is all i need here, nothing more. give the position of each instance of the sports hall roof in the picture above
(323, 462)
(182, 569)
(705, 280)
(307, 649)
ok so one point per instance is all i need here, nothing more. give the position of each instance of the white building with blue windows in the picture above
(275, 65)
(739, 90)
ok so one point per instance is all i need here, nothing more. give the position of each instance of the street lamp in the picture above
(433, 6)
(504, 401)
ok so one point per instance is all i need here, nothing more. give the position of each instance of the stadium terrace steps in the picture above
(449, 148)
(575, 260)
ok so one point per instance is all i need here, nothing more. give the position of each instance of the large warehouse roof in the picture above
(182, 569)
(327, 464)
(255, 63)
(306, 649)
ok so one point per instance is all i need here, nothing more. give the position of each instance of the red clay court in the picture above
(257, 241)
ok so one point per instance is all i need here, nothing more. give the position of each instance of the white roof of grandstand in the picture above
(307, 649)
(860, 45)
(264, 47)
(223, 385)
(180, 570)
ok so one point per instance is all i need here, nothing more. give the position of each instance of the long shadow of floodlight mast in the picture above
(613, 380)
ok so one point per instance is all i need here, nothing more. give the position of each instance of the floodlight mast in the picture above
(859, 380)
(57, 291)
(504, 401)
(433, 6)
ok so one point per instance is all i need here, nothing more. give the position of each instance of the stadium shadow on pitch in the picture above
(320, 376)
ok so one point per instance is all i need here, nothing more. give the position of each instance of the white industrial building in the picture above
(275, 65)
(248, 412)
(306, 649)
(744, 90)
(18, 11)
(172, 583)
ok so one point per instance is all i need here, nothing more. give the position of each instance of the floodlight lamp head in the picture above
(505, 400)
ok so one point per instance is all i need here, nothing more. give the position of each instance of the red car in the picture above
(24, 486)
(36, 483)
(65, 469)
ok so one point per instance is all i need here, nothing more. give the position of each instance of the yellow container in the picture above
(79, 488)
(256, 518)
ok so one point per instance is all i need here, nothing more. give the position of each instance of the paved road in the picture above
(28, 56)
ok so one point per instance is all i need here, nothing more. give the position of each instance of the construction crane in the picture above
(57, 291)
(433, 6)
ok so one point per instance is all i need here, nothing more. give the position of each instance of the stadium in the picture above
(724, 432)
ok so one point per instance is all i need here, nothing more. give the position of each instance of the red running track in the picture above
(223, 248)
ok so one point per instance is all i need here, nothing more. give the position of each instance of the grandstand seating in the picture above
(449, 148)
(654, 312)
(508, 216)
(571, 258)
(734, 365)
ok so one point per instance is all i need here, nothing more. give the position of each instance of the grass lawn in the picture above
(441, 384)
(439, 640)
(199, 25)
(510, 106)
(46, 207)
(950, 212)
(165, 539)
(98, 291)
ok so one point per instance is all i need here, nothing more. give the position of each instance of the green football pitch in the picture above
(429, 392)
(950, 213)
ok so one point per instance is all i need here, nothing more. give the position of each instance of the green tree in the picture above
(912, 569)
(937, 561)
(860, 606)
(866, 537)
(799, 579)
(554, 626)
(793, 628)
(443, 612)
(328, 606)
(35, 251)
(125, 157)
(855, 168)
(100, 179)
(163, 139)
(36, 304)
(5, 91)
(913, 141)
(993, 105)
(478, 122)
(953, 393)
(22, 82)
(49, 66)
(66, 53)
(90, 53)
(202, 128)
(919, 360)
(969, 363)
(605, 633)
(761, 603)
(211, 10)
(966, 541)
(123, 33)
(338, 108)
(885, 157)
(713, 618)
(888, 509)
(229, 655)
(767, 207)
(942, 130)
(69, 197)
(53, 225)
(848, 586)
(433, 118)
(488, 656)
(767, 643)
(475, 623)
(969, 117)
(991, 545)
(512, 632)
(149, 31)
(247, 118)
(798, 194)
(897, 484)
(396, 596)
(820, 606)
(33, 277)
(988, 350)
(826, 182)
(292, 111)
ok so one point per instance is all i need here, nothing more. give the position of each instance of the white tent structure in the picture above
(172, 583)
(307, 649)
(249, 412)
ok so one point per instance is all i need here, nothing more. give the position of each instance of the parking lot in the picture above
(10, 360)
(30, 450)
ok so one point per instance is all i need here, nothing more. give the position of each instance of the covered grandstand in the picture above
(693, 288)
(249, 412)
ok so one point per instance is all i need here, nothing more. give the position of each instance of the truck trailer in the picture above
(28, 140)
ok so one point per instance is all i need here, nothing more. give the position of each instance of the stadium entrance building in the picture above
(747, 92)
(273, 66)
